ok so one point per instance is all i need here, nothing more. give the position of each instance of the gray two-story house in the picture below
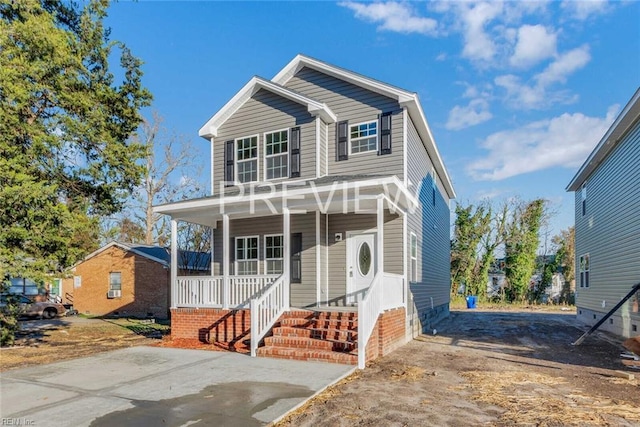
(330, 214)
(607, 221)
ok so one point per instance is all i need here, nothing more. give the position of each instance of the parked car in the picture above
(28, 308)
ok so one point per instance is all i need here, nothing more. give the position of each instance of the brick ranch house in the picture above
(121, 279)
(329, 207)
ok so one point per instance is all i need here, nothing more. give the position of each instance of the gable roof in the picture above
(627, 118)
(159, 254)
(404, 98)
(315, 108)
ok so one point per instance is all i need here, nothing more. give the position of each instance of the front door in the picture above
(361, 268)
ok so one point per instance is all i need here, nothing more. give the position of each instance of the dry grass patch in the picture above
(526, 398)
(67, 341)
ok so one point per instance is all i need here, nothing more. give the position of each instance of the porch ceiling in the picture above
(326, 195)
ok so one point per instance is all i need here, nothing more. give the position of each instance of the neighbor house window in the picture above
(276, 154)
(247, 159)
(364, 137)
(584, 199)
(273, 254)
(115, 281)
(414, 257)
(584, 271)
(247, 255)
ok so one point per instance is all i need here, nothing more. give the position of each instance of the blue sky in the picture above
(516, 93)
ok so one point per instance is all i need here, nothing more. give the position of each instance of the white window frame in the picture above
(413, 257)
(237, 161)
(351, 140)
(585, 272)
(237, 260)
(583, 197)
(264, 142)
(111, 274)
(266, 259)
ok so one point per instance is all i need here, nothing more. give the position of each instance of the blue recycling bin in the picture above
(471, 301)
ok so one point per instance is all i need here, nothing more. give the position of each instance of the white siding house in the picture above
(607, 224)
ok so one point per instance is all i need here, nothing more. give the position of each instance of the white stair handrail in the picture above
(266, 310)
(369, 308)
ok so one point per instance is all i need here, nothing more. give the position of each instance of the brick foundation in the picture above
(209, 325)
(230, 329)
(388, 334)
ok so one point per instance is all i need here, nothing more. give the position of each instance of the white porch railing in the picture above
(392, 291)
(267, 309)
(208, 291)
(368, 311)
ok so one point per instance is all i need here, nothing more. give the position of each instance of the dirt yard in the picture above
(46, 341)
(492, 368)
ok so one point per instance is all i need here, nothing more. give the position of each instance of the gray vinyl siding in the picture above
(324, 134)
(609, 232)
(357, 105)
(302, 294)
(341, 223)
(431, 226)
(267, 112)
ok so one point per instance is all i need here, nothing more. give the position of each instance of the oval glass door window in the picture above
(364, 258)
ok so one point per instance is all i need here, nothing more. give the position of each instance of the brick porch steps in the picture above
(309, 355)
(318, 333)
(314, 335)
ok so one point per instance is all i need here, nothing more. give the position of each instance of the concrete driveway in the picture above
(146, 386)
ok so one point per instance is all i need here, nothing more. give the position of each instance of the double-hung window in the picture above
(247, 255)
(276, 154)
(115, 281)
(584, 271)
(364, 137)
(414, 257)
(247, 159)
(273, 253)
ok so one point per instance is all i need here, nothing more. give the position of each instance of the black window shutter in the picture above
(296, 258)
(229, 150)
(385, 133)
(294, 152)
(342, 141)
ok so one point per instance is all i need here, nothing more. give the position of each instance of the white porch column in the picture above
(174, 263)
(212, 250)
(225, 261)
(380, 235)
(286, 265)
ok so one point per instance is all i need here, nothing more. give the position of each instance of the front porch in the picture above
(268, 264)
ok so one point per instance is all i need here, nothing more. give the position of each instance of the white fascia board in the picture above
(315, 108)
(420, 121)
(122, 246)
(301, 61)
(404, 98)
(210, 128)
(625, 120)
(291, 192)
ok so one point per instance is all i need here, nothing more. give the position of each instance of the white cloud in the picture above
(441, 56)
(537, 93)
(479, 46)
(563, 141)
(476, 112)
(392, 16)
(583, 9)
(564, 65)
(535, 43)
